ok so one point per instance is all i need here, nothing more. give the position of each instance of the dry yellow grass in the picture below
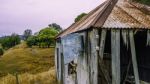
(26, 78)
(33, 65)
(22, 59)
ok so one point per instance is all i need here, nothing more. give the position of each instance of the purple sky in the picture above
(18, 15)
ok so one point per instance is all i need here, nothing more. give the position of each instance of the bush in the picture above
(1, 51)
(10, 41)
(31, 41)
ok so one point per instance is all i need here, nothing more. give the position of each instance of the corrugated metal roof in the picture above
(127, 15)
(112, 14)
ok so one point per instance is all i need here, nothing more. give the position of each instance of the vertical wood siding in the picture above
(115, 51)
(94, 58)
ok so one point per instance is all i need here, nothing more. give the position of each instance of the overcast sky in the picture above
(18, 15)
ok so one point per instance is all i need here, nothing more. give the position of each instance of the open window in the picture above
(72, 68)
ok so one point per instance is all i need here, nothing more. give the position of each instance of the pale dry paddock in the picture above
(26, 78)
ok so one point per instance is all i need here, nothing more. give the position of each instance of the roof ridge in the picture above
(102, 16)
(89, 14)
(101, 12)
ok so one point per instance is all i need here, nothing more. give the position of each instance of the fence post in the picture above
(17, 80)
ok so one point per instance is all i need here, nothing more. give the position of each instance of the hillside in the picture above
(21, 59)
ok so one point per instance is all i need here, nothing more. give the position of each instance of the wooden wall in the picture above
(102, 56)
(59, 61)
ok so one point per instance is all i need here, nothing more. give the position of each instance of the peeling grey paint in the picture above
(71, 47)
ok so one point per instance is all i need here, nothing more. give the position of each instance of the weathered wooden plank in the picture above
(113, 56)
(94, 57)
(125, 36)
(56, 59)
(105, 73)
(127, 72)
(148, 37)
(86, 57)
(59, 63)
(134, 59)
(82, 71)
(118, 56)
(89, 56)
(62, 65)
(101, 53)
(102, 43)
(115, 51)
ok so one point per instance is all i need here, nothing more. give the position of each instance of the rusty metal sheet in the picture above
(121, 19)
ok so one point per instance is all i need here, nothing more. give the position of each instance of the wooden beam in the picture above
(94, 57)
(57, 60)
(125, 36)
(62, 66)
(102, 43)
(115, 51)
(105, 73)
(134, 59)
(60, 63)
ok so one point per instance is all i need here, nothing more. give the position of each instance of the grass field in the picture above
(47, 77)
(33, 63)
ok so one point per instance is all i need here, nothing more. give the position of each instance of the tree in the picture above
(27, 33)
(79, 17)
(15, 39)
(56, 26)
(46, 36)
(32, 41)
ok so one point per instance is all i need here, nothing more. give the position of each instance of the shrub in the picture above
(1, 51)
(10, 41)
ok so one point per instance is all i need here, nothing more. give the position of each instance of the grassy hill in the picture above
(26, 61)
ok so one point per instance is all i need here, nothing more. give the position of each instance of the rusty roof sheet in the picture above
(127, 15)
(112, 14)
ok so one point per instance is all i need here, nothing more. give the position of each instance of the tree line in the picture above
(43, 39)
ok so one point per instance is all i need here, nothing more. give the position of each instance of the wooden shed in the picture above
(110, 45)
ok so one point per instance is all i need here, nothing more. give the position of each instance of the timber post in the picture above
(94, 56)
(134, 59)
(115, 51)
